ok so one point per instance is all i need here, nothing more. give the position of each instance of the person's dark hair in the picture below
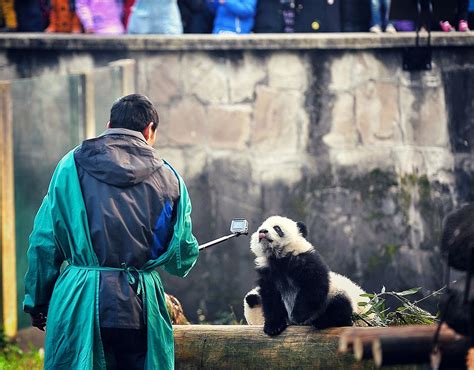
(133, 112)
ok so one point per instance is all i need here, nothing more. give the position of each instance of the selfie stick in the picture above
(220, 240)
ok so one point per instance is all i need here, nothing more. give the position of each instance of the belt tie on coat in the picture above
(128, 270)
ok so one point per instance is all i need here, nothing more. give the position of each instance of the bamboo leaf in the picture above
(409, 291)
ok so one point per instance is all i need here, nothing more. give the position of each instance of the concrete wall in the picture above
(327, 129)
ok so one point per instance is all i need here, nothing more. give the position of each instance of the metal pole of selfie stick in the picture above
(217, 241)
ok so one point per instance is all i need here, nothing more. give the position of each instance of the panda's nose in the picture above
(262, 233)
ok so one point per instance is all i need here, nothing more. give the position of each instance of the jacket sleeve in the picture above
(84, 13)
(44, 262)
(186, 246)
(245, 8)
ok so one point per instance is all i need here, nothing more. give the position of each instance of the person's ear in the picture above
(149, 133)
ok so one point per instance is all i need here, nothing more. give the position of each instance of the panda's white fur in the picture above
(338, 284)
(293, 242)
(253, 315)
(341, 284)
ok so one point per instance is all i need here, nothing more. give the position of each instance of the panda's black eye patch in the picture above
(279, 231)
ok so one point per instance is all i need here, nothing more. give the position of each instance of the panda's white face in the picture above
(278, 236)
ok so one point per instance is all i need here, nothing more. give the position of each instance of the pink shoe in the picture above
(463, 26)
(446, 26)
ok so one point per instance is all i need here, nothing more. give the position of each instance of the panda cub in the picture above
(295, 285)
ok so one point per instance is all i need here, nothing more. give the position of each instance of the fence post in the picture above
(9, 313)
(88, 104)
(127, 73)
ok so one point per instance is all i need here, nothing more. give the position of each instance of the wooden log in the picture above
(470, 359)
(247, 347)
(362, 348)
(416, 349)
(366, 335)
(449, 356)
(362, 343)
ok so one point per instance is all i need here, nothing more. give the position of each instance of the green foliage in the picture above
(13, 358)
(407, 313)
(222, 318)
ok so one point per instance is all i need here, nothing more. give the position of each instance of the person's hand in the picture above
(38, 320)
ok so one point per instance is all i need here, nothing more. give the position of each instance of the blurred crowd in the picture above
(216, 16)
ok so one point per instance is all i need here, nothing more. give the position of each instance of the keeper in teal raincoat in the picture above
(114, 212)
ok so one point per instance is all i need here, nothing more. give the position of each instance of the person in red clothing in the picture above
(127, 10)
(63, 18)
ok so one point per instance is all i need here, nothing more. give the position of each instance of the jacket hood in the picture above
(118, 157)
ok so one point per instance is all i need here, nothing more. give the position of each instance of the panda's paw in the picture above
(300, 316)
(273, 329)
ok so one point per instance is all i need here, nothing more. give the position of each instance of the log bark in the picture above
(247, 347)
(366, 335)
(362, 341)
(400, 350)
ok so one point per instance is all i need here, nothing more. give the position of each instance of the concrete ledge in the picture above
(355, 41)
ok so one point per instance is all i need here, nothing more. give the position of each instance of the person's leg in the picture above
(375, 12)
(131, 349)
(389, 27)
(108, 336)
(376, 22)
(463, 5)
(462, 15)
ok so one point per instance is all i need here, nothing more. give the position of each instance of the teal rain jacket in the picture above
(61, 233)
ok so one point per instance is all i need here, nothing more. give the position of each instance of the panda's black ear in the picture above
(302, 228)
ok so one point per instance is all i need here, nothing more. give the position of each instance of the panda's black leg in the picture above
(274, 310)
(307, 304)
(337, 313)
(253, 300)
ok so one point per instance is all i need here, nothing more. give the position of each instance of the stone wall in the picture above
(326, 129)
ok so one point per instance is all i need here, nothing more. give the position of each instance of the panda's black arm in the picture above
(311, 275)
(274, 311)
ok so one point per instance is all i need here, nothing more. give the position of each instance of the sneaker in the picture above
(375, 29)
(463, 26)
(446, 26)
(390, 28)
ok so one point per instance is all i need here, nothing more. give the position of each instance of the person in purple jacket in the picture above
(233, 16)
(100, 16)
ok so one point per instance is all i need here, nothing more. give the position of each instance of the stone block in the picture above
(340, 70)
(187, 123)
(369, 65)
(343, 131)
(159, 77)
(377, 114)
(362, 159)
(195, 162)
(244, 75)
(424, 116)
(229, 126)
(288, 70)
(205, 77)
(175, 157)
(73, 63)
(280, 117)
(163, 131)
(432, 161)
(285, 168)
